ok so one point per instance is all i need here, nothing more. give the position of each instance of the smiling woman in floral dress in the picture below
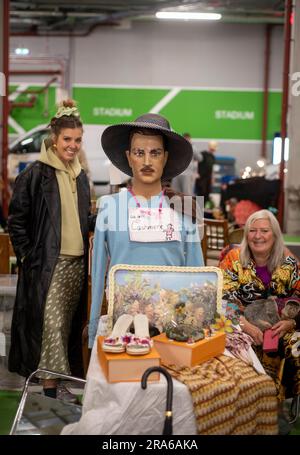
(260, 268)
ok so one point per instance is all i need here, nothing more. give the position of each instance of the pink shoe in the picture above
(119, 337)
(140, 342)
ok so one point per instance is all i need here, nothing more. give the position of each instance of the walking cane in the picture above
(168, 426)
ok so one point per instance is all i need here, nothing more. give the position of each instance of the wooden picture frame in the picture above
(163, 292)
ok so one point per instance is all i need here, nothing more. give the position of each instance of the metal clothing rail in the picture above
(25, 392)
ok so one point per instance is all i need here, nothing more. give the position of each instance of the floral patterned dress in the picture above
(241, 287)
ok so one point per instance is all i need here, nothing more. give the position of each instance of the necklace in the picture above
(139, 205)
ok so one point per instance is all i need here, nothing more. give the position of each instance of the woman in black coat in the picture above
(49, 221)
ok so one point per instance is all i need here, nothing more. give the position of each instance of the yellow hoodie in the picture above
(71, 237)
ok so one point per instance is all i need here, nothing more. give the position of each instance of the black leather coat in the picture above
(34, 224)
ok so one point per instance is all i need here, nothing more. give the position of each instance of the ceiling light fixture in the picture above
(21, 51)
(188, 16)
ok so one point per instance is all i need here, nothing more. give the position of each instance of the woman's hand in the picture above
(252, 330)
(284, 326)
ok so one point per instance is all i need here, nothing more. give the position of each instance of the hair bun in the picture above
(68, 103)
(67, 108)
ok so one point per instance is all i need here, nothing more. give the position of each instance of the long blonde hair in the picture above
(277, 253)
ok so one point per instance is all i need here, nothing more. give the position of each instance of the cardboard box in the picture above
(127, 368)
(184, 354)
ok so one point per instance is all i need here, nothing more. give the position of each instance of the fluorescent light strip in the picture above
(187, 16)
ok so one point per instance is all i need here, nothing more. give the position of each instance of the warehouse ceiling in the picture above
(80, 17)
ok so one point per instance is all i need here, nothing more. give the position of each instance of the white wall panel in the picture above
(150, 53)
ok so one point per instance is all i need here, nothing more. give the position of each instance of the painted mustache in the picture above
(147, 169)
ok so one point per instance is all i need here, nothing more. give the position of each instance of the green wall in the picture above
(218, 114)
(30, 117)
(221, 114)
(96, 104)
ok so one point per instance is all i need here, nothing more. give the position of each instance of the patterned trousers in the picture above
(62, 301)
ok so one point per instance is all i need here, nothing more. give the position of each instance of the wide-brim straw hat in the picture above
(115, 142)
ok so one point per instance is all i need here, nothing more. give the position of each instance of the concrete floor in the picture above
(9, 381)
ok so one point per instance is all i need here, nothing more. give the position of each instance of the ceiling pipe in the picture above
(34, 31)
(109, 20)
(62, 63)
(32, 101)
(29, 103)
(69, 34)
(39, 90)
(268, 34)
(35, 72)
(252, 19)
(238, 15)
(5, 111)
(37, 13)
(39, 73)
(284, 104)
(21, 59)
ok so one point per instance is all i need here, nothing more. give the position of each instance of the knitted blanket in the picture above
(230, 397)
